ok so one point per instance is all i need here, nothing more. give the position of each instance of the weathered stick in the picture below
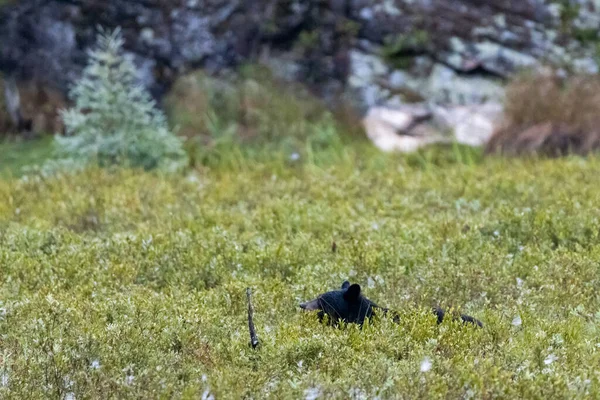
(253, 337)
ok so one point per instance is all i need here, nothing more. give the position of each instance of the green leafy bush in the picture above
(256, 113)
(114, 119)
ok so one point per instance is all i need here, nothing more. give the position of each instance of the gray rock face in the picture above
(459, 51)
(378, 52)
(47, 40)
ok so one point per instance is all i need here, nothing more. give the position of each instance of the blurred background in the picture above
(505, 76)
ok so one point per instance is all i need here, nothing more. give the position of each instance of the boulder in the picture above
(390, 130)
(409, 127)
(472, 125)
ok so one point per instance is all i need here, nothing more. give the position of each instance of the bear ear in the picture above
(345, 285)
(352, 293)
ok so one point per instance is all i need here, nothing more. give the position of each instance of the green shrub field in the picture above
(129, 284)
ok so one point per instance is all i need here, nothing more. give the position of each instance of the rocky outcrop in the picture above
(460, 51)
(375, 53)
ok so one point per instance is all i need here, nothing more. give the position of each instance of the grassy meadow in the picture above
(130, 284)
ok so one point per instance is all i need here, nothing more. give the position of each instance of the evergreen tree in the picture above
(114, 120)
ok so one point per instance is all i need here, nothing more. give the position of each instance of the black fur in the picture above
(350, 306)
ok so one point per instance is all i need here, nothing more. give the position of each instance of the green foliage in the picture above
(114, 120)
(569, 11)
(16, 157)
(399, 50)
(132, 285)
(252, 113)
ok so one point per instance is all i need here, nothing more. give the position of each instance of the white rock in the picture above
(471, 125)
(384, 126)
(408, 127)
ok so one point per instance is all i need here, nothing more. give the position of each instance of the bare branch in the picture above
(253, 338)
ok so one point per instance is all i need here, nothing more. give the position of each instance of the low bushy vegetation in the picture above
(548, 114)
(19, 156)
(129, 284)
(254, 113)
(535, 98)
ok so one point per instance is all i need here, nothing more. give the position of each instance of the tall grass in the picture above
(256, 112)
(550, 115)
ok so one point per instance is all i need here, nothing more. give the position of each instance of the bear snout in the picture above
(311, 305)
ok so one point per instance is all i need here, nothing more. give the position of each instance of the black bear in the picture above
(350, 306)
